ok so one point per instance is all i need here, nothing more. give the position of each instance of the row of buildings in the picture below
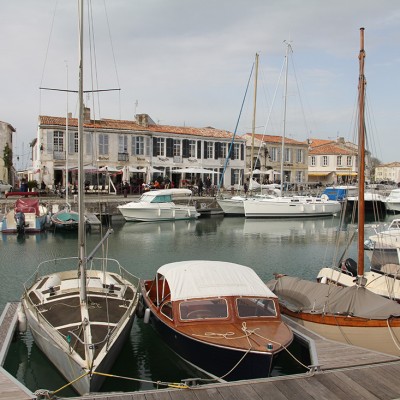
(163, 150)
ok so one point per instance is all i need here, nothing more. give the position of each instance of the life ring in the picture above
(324, 197)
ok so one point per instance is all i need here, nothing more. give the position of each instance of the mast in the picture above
(66, 147)
(361, 161)
(81, 187)
(253, 125)
(288, 47)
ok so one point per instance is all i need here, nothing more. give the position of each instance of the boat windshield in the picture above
(255, 307)
(203, 309)
(150, 198)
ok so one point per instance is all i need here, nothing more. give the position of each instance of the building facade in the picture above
(264, 153)
(121, 145)
(6, 145)
(389, 172)
(333, 161)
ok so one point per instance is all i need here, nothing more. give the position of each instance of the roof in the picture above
(274, 139)
(200, 278)
(123, 125)
(328, 147)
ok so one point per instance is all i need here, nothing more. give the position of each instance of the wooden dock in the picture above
(10, 388)
(339, 371)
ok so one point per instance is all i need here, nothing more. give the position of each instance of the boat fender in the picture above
(140, 310)
(146, 318)
(324, 280)
(22, 323)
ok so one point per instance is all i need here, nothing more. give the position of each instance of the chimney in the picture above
(86, 114)
(340, 140)
(142, 120)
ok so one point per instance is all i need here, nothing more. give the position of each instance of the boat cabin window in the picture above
(166, 309)
(255, 307)
(203, 309)
(162, 199)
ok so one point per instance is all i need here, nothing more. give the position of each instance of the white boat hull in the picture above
(232, 206)
(290, 207)
(157, 212)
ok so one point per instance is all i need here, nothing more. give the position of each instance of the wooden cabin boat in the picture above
(218, 316)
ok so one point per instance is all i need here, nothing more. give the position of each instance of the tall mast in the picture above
(361, 160)
(81, 187)
(67, 146)
(288, 47)
(253, 126)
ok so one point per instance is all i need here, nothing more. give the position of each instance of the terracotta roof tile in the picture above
(134, 126)
(331, 148)
(274, 139)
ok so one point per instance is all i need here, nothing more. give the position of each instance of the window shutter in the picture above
(185, 148)
(199, 149)
(154, 147)
(89, 144)
(217, 149)
(71, 142)
(205, 149)
(49, 142)
(242, 152)
(170, 149)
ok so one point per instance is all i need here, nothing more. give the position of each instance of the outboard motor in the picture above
(20, 221)
(349, 266)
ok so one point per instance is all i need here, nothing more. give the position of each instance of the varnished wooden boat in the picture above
(218, 316)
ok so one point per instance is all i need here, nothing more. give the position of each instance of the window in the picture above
(203, 309)
(299, 176)
(137, 145)
(122, 144)
(299, 155)
(160, 147)
(58, 141)
(210, 149)
(223, 150)
(288, 157)
(166, 309)
(313, 161)
(236, 151)
(349, 161)
(103, 144)
(255, 307)
(324, 161)
(192, 148)
(177, 146)
(236, 176)
(339, 161)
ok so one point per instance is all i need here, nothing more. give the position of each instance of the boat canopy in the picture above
(27, 205)
(299, 295)
(168, 192)
(201, 279)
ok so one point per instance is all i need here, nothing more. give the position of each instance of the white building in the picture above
(388, 172)
(142, 144)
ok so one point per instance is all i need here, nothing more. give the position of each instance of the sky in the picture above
(189, 63)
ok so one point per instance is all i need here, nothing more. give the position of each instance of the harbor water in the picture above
(293, 247)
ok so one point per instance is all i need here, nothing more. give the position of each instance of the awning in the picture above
(318, 173)
(348, 173)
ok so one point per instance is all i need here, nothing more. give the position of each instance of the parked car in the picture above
(4, 187)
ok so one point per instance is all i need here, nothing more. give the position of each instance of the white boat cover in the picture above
(300, 295)
(163, 192)
(199, 279)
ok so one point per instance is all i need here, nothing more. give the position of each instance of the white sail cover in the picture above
(300, 295)
(200, 279)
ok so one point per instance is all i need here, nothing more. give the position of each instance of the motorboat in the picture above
(392, 201)
(65, 219)
(27, 216)
(159, 205)
(218, 316)
(340, 192)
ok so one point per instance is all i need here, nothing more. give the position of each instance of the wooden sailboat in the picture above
(352, 315)
(80, 310)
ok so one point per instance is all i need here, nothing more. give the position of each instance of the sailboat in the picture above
(352, 315)
(80, 309)
(235, 204)
(290, 206)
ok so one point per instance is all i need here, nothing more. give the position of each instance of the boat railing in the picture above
(72, 264)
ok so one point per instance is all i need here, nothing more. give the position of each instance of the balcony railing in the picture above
(123, 157)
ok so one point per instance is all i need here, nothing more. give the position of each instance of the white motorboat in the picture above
(159, 205)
